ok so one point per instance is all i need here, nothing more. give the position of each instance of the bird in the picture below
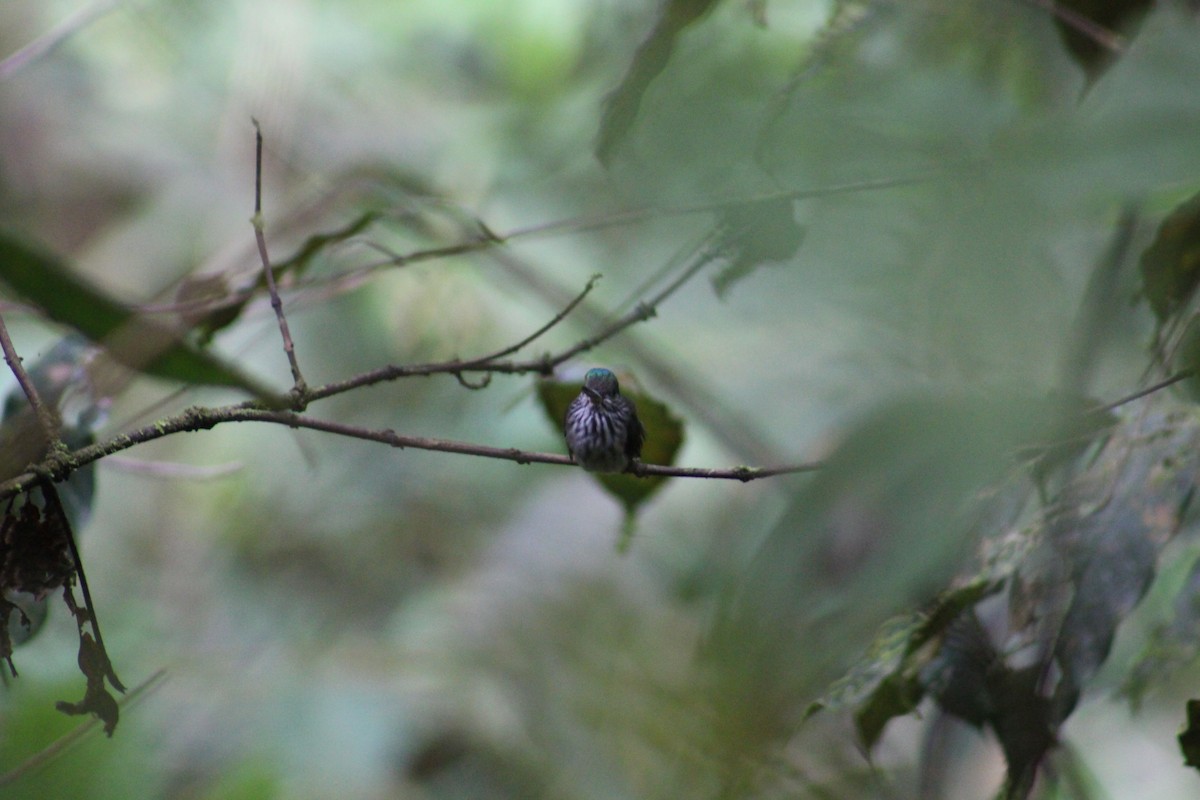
(602, 427)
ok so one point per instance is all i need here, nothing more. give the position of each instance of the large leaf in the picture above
(756, 233)
(888, 681)
(621, 106)
(1073, 574)
(137, 342)
(883, 527)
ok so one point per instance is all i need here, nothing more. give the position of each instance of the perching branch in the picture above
(198, 418)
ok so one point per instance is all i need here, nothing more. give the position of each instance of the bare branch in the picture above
(1140, 393)
(640, 313)
(47, 418)
(457, 368)
(743, 474)
(489, 239)
(299, 388)
(46, 43)
(1109, 40)
(171, 470)
(198, 418)
(559, 317)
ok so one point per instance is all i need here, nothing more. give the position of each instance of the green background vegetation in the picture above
(337, 618)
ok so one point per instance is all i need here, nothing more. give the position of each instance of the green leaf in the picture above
(135, 341)
(664, 437)
(756, 233)
(1171, 264)
(1174, 643)
(1189, 739)
(621, 106)
(884, 526)
(888, 682)
(1112, 16)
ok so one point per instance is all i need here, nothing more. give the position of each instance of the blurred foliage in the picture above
(132, 340)
(977, 220)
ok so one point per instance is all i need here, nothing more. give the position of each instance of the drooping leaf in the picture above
(1094, 30)
(1099, 548)
(136, 341)
(621, 106)
(1189, 739)
(664, 437)
(97, 700)
(1173, 644)
(1171, 264)
(890, 681)
(756, 233)
(883, 527)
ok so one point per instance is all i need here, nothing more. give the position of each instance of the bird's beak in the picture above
(592, 394)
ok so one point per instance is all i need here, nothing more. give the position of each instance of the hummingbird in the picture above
(603, 431)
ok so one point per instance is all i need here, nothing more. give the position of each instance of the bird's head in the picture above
(599, 384)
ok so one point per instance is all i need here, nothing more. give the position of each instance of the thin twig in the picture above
(544, 365)
(559, 317)
(47, 419)
(640, 312)
(1109, 40)
(63, 743)
(199, 418)
(172, 470)
(489, 239)
(1140, 393)
(45, 43)
(299, 388)
(635, 215)
(457, 367)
